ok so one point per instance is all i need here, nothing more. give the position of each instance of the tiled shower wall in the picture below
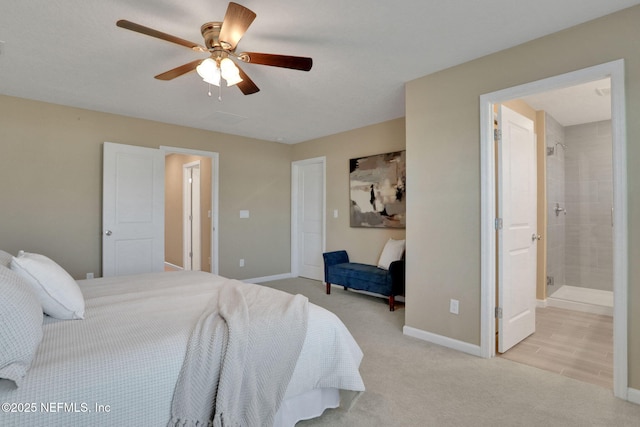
(556, 228)
(589, 199)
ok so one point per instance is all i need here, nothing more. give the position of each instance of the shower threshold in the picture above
(588, 300)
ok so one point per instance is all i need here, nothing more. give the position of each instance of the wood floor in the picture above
(571, 343)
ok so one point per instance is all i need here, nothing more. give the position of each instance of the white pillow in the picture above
(58, 293)
(392, 251)
(21, 331)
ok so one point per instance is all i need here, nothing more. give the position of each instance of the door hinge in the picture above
(498, 313)
(498, 223)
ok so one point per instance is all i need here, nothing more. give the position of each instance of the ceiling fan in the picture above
(220, 41)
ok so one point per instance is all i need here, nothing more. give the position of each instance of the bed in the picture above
(121, 363)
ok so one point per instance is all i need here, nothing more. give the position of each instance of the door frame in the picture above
(615, 71)
(295, 174)
(188, 224)
(214, 195)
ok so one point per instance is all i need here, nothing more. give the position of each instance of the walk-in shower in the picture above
(579, 216)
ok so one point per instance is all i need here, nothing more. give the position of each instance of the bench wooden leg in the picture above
(392, 303)
(328, 287)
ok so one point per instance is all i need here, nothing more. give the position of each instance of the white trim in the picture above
(614, 70)
(542, 303)
(295, 170)
(173, 266)
(579, 306)
(451, 343)
(187, 201)
(215, 168)
(269, 278)
(633, 395)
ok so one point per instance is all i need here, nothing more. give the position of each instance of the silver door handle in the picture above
(535, 237)
(108, 232)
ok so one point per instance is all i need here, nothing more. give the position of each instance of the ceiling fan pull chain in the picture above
(220, 93)
(209, 93)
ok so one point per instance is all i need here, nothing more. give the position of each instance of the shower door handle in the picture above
(535, 237)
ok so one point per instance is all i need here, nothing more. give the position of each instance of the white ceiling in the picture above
(70, 52)
(575, 105)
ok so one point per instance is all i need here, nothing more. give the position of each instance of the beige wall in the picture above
(363, 245)
(173, 213)
(541, 270)
(443, 152)
(51, 193)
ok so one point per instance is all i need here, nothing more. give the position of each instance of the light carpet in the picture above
(414, 383)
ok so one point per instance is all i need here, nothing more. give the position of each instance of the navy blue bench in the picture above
(364, 277)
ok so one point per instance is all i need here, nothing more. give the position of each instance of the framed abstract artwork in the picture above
(377, 186)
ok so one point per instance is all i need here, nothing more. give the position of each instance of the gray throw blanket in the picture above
(240, 358)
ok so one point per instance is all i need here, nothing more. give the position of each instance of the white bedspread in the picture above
(119, 366)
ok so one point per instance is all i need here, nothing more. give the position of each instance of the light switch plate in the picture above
(244, 214)
(454, 306)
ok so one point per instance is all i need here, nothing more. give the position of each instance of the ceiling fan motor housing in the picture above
(211, 34)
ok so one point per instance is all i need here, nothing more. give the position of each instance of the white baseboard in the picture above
(269, 278)
(633, 395)
(442, 340)
(541, 303)
(399, 298)
(578, 306)
(173, 266)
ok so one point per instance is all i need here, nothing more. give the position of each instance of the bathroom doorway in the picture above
(574, 330)
(574, 324)
(613, 70)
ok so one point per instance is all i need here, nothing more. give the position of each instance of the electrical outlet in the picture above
(454, 305)
(242, 262)
(89, 275)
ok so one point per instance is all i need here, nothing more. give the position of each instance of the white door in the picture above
(517, 240)
(310, 220)
(191, 217)
(132, 210)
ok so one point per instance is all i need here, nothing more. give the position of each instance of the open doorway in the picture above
(490, 196)
(190, 210)
(574, 326)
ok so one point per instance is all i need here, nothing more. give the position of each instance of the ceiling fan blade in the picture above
(128, 25)
(284, 61)
(247, 86)
(178, 71)
(235, 24)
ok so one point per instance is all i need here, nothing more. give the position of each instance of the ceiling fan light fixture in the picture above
(230, 72)
(220, 41)
(209, 71)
